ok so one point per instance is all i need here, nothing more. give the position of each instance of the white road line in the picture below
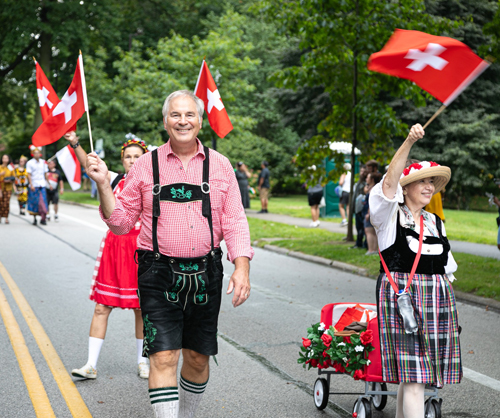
(88, 224)
(481, 379)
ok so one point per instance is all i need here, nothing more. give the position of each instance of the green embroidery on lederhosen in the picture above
(173, 294)
(200, 296)
(149, 335)
(189, 267)
(180, 193)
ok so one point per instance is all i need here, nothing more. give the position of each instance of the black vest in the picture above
(399, 257)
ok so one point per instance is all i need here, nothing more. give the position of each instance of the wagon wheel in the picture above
(379, 401)
(321, 392)
(364, 410)
(432, 408)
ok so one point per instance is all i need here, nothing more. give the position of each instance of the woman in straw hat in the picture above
(419, 335)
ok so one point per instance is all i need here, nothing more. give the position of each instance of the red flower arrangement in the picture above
(322, 349)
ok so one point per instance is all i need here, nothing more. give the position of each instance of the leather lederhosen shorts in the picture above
(180, 301)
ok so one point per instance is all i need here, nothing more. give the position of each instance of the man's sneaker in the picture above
(143, 370)
(56, 218)
(344, 222)
(86, 372)
(48, 217)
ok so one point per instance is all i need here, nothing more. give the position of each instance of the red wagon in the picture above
(375, 394)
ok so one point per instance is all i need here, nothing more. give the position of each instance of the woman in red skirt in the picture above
(114, 283)
(417, 311)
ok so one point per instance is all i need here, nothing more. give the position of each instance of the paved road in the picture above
(257, 374)
(457, 246)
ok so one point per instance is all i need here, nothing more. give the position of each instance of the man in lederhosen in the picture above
(188, 199)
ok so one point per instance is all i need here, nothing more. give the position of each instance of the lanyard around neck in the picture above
(415, 263)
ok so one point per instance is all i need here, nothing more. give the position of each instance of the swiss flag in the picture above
(442, 66)
(47, 97)
(66, 113)
(71, 166)
(206, 90)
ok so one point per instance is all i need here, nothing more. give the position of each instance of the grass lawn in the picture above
(470, 226)
(481, 281)
(79, 197)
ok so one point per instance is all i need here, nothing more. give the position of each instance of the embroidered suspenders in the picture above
(181, 193)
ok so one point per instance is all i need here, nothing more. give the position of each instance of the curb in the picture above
(84, 205)
(318, 260)
(486, 303)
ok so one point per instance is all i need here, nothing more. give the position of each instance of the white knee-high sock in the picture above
(140, 345)
(95, 345)
(413, 400)
(190, 395)
(165, 402)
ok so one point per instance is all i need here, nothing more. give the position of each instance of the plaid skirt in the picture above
(432, 355)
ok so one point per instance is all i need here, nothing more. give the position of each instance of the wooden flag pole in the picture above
(434, 116)
(84, 88)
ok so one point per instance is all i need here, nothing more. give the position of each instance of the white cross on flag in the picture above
(206, 90)
(66, 112)
(47, 97)
(442, 66)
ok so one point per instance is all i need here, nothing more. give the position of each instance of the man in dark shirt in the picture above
(54, 178)
(264, 186)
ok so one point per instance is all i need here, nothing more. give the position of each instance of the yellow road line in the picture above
(37, 392)
(68, 389)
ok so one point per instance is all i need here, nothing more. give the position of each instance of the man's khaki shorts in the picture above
(264, 193)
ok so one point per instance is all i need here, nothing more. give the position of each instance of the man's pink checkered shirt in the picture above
(182, 229)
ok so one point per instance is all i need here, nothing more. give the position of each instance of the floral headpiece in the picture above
(133, 140)
(426, 169)
(34, 148)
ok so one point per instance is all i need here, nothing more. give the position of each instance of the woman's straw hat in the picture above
(426, 169)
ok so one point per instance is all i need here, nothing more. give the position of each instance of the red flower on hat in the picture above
(306, 342)
(433, 164)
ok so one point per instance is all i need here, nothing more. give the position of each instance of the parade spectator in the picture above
(314, 195)
(358, 199)
(496, 201)
(115, 269)
(37, 176)
(345, 183)
(55, 185)
(22, 184)
(7, 180)
(418, 318)
(185, 215)
(371, 237)
(242, 175)
(264, 185)
(372, 166)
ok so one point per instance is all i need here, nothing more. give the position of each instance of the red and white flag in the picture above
(71, 166)
(442, 66)
(66, 113)
(206, 90)
(47, 97)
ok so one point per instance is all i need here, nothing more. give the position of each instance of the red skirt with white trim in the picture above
(114, 282)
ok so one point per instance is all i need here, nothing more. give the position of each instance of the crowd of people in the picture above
(36, 182)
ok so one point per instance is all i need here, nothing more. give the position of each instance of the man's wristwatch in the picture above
(75, 146)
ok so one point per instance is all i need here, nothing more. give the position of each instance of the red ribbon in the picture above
(415, 263)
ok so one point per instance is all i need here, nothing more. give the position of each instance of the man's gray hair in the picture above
(200, 106)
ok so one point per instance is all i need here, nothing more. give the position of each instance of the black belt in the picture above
(181, 192)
